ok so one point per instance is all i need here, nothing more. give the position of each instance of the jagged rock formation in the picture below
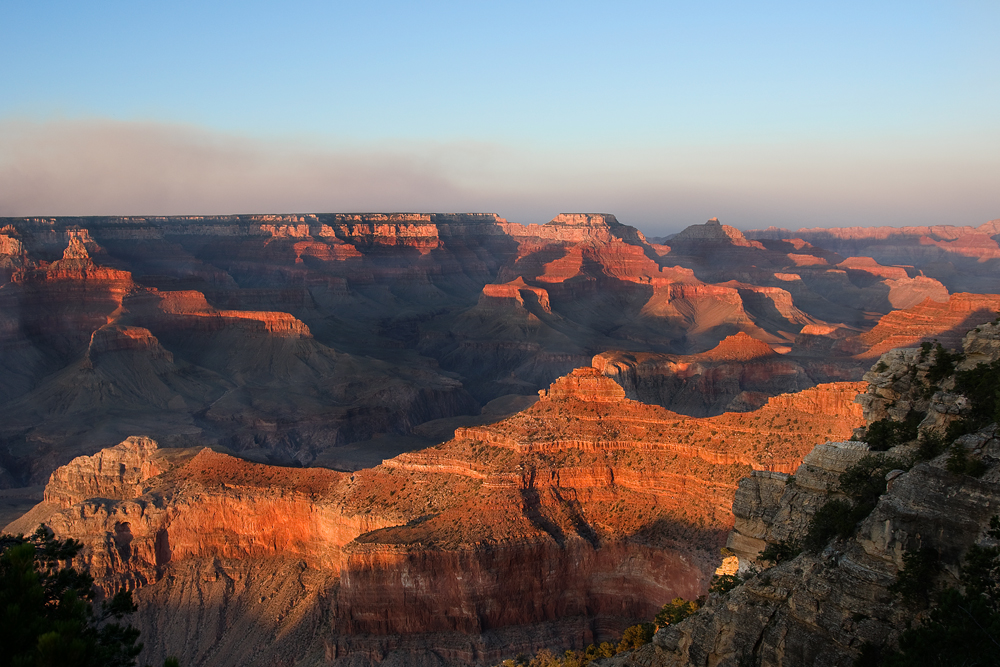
(822, 607)
(737, 375)
(257, 323)
(588, 509)
(964, 259)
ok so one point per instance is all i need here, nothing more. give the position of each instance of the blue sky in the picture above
(664, 113)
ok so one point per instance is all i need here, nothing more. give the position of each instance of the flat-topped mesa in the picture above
(116, 473)
(584, 219)
(392, 229)
(192, 307)
(119, 338)
(869, 265)
(715, 233)
(738, 347)
(576, 228)
(516, 290)
(585, 384)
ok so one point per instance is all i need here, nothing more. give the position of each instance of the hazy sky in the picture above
(788, 113)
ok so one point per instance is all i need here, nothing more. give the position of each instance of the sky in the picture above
(663, 113)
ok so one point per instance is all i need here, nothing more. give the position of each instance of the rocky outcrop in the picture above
(962, 258)
(118, 473)
(741, 373)
(773, 507)
(825, 606)
(947, 322)
(713, 232)
(585, 384)
(738, 347)
(822, 608)
(515, 291)
(600, 510)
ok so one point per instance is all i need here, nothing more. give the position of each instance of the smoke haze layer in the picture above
(110, 167)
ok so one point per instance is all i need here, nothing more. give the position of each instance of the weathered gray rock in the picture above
(821, 608)
(981, 345)
(771, 507)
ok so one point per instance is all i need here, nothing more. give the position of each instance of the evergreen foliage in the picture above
(981, 385)
(914, 583)
(863, 484)
(46, 611)
(886, 433)
(963, 627)
(944, 364)
(723, 583)
(779, 552)
(675, 611)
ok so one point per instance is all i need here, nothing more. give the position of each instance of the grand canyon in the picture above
(449, 439)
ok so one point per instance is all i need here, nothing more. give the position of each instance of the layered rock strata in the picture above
(825, 607)
(588, 508)
(430, 316)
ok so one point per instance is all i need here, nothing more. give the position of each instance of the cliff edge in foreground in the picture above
(859, 544)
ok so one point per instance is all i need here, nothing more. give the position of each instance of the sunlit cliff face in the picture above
(547, 506)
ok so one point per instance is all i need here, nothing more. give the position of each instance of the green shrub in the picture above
(914, 582)
(636, 636)
(865, 481)
(886, 433)
(863, 484)
(963, 627)
(981, 385)
(836, 518)
(675, 611)
(871, 655)
(960, 463)
(944, 364)
(723, 583)
(779, 552)
(931, 446)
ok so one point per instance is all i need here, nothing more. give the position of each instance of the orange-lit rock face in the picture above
(192, 309)
(287, 336)
(739, 374)
(739, 347)
(118, 473)
(586, 384)
(948, 322)
(516, 291)
(585, 506)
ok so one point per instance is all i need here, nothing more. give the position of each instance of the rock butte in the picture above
(588, 508)
(285, 337)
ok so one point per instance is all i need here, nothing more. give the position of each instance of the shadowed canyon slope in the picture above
(343, 339)
(561, 524)
(963, 258)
